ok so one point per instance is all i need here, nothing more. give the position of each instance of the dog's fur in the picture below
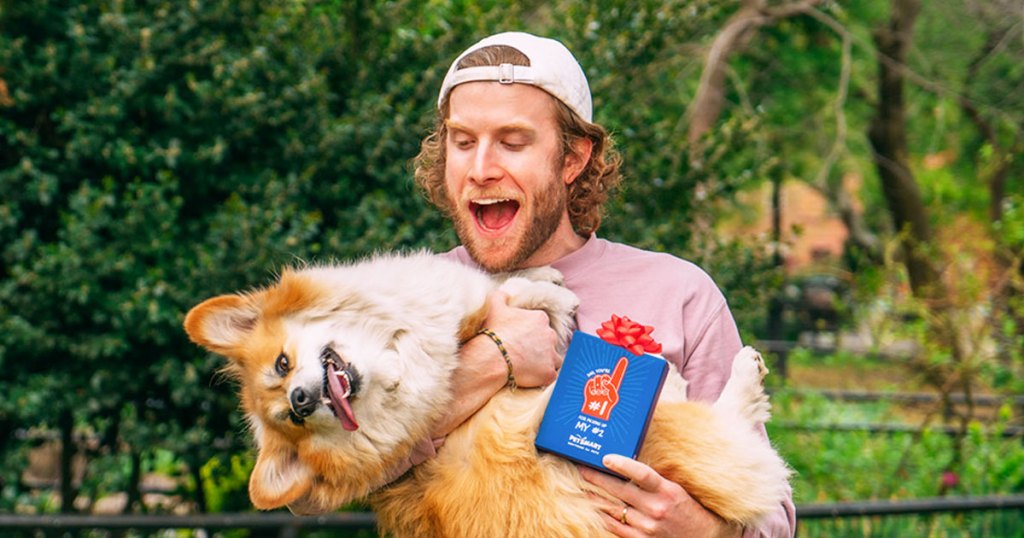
(397, 321)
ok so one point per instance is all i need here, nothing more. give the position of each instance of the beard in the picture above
(545, 213)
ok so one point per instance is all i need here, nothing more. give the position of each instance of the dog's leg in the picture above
(717, 453)
(718, 459)
(744, 395)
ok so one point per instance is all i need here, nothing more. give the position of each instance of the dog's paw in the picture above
(749, 366)
(744, 393)
(559, 303)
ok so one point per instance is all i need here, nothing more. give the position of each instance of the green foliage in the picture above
(1011, 226)
(747, 276)
(846, 466)
(223, 479)
(157, 153)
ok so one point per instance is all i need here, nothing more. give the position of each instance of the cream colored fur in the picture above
(396, 318)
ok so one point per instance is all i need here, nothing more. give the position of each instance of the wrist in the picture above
(510, 380)
(481, 361)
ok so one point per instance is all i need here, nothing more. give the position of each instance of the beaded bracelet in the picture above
(504, 354)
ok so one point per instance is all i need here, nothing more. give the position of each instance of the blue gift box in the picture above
(601, 403)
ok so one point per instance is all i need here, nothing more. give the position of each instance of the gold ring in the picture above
(622, 518)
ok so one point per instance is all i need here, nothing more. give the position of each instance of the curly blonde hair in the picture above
(586, 195)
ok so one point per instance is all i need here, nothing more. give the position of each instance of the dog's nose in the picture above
(303, 403)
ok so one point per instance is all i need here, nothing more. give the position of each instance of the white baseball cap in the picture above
(552, 68)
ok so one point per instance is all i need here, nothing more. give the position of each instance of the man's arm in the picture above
(530, 342)
(531, 345)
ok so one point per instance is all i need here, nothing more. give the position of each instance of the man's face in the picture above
(505, 179)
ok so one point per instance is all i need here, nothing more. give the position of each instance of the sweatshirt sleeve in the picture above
(779, 524)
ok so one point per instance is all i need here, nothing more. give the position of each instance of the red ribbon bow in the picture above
(622, 331)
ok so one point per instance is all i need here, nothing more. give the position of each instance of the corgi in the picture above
(343, 369)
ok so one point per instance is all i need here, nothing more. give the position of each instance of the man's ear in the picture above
(223, 323)
(279, 478)
(577, 159)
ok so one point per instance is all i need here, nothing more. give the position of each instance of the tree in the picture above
(904, 119)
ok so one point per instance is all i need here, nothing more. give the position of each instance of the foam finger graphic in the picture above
(620, 372)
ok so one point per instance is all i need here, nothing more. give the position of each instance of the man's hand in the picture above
(528, 338)
(654, 506)
(531, 345)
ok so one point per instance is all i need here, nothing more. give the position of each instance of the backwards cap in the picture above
(552, 68)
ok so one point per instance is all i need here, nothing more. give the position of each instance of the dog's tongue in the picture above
(337, 390)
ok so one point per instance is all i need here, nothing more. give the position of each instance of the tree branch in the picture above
(733, 37)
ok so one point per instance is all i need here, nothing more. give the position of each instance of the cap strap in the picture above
(504, 73)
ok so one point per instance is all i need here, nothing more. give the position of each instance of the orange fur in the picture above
(472, 324)
(491, 481)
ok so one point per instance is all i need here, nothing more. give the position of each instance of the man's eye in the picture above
(282, 365)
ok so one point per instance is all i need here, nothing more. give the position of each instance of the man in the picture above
(523, 172)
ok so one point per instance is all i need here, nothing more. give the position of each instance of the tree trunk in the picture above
(888, 137)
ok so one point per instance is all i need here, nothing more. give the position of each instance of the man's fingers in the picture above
(628, 496)
(640, 474)
(612, 485)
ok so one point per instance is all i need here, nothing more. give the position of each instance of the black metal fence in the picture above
(280, 524)
(286, 525)
(910, 398)
(952, 431)
(935, 505)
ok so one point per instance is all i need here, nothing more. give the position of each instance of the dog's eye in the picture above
(282, 365)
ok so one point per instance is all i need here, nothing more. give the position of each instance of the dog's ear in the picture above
(222, 323)
(279, 478)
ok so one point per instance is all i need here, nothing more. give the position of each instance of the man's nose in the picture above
(486, 166)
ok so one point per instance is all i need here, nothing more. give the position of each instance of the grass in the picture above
(844, 371)
(833, 466)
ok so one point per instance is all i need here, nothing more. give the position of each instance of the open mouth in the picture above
(341, 382)
(494, 214)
